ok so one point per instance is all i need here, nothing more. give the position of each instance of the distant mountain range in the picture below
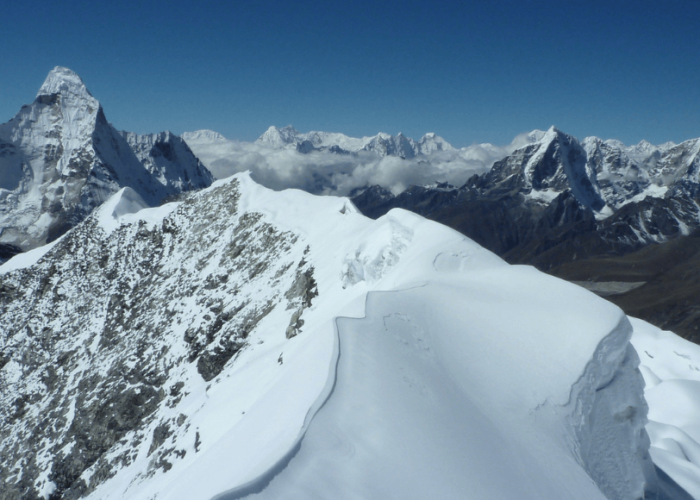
(559, 201)
(547, 199)
(60, 158)
(383, 144)
(333, 163)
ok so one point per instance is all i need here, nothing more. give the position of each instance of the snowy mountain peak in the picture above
(536, 135)
(432, 142)
(64, 159)
(279, 137)
(203, 135)
(62, 80)
(551, 133)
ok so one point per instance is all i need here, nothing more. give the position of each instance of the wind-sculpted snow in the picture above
(428, 404)
(190, 350)
(608, 417)
(671, 369)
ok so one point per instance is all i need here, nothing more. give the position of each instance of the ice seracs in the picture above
(671, 369)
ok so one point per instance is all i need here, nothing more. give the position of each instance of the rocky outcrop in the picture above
(103, 337)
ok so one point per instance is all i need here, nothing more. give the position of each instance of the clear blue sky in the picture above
(469, 71)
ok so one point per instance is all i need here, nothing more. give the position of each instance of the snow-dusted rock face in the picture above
(60, 158)
(550, 166)
(170, 163)
(555, 199)
(248, 341)
(159, 310)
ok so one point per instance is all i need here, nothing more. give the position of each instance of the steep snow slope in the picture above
(60, 158)
(207, 345)
(671, 369)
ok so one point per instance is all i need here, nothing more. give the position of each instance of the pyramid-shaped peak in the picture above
(62, 80)
(554, 134)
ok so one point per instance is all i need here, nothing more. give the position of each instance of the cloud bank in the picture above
(324, 172)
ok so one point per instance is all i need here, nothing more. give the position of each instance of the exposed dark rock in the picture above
(101, 328)
(7, 251)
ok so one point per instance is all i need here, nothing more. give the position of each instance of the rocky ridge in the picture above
(110, 332)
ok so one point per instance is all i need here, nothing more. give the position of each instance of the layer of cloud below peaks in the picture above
(322, 172)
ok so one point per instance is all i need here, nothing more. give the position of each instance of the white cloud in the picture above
(322, 172)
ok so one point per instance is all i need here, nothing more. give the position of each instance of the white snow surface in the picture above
(671, 369)
(426, 367)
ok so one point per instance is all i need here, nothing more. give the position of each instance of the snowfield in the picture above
(392, 358)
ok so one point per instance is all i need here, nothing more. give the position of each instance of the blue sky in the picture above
(469, 71)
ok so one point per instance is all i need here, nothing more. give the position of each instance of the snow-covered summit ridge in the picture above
(214, 329)
(62, 80)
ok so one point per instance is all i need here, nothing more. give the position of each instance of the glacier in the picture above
(245, 342)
